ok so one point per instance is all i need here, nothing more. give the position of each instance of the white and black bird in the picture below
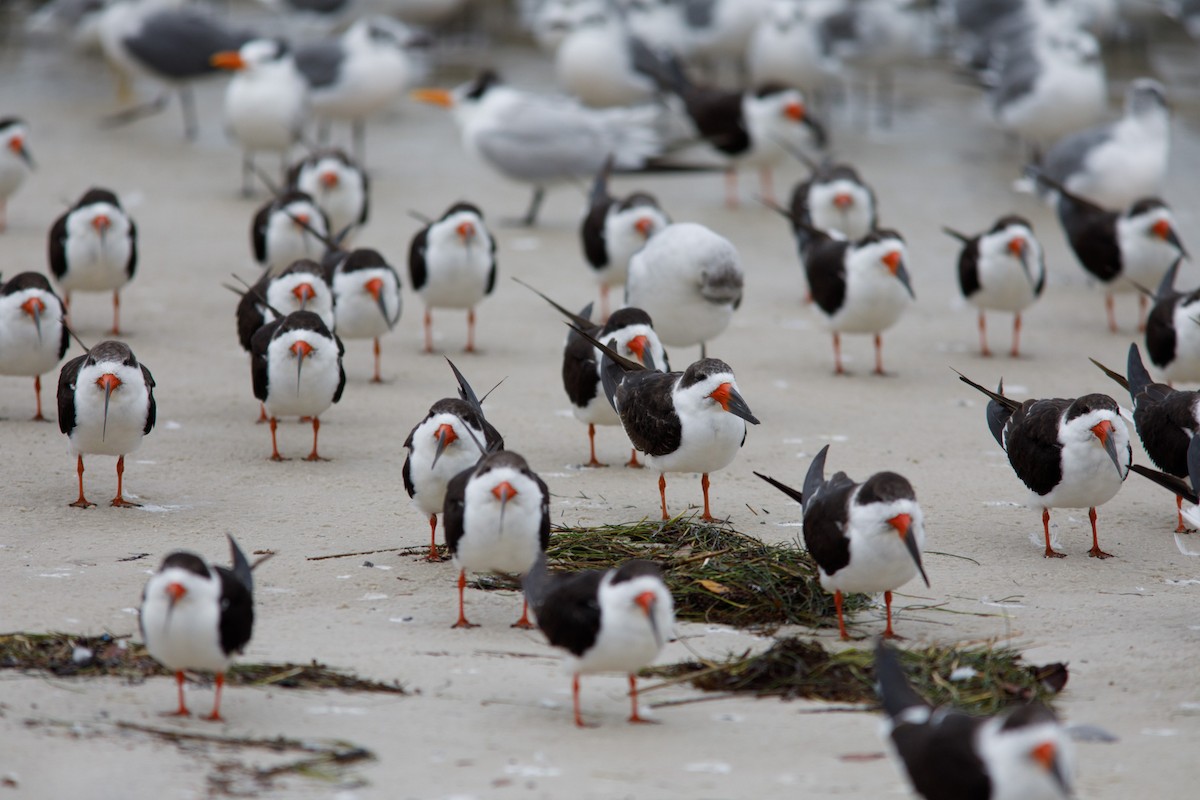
(865, 537)
(1024, 753)
(1069, 453)
(690, 421)
(496, 519)
(1001, 269)
(1114, 165)
(614, 620)
(296, 370)
(366, 293)
(303, 286)
(859, 287)
(452, 264)
(337, 184)
(15, 162)
(105, 407)
(834, 198)
(545, 140)
(198, 616)
(689, 279)
(748, 129)
(287, 228)
(266, 102)
(451, 438)
(1123, 250)
(33, 333)
(93, 248)
(1172, 331)
(615, 228)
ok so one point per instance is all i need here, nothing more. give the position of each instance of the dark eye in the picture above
(128, 362)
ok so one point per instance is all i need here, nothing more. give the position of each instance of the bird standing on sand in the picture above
(366, 291)
(287, 228)
(93, 248)
(337, 184)
(33, 334)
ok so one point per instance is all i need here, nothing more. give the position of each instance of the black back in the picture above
(1092, 233)
(648, 411)
(569, 611)
(179, 43)
(580, 377)
(825, 269)
(826, 514)
(237, 612)
(968, 267)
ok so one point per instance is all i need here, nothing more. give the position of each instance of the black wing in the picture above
(968, 267)
(237, 612)
(648, 412)
(940, 757)
(66, 393)
(825, 517)
(825, 268)
(58, 246)
(341, 348)
(491, 280)
(366, 186)
(1031, 440)
(406, 470)
(258, 357)
(416, 259)
(131, 264)
(580, 369)
(454, 508)
(258, 232)
(152, 407)
(1092, 234)
(570, 612)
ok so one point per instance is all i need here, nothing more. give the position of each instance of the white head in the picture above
(634, 598)
(708, 387)
(1028, 755)
(880, 254)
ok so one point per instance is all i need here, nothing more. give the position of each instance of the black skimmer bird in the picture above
(172, 46)
(198, 616)
(689, 279)
(300, 339)
(1123, 250)
(833, 198)
(496, 519)
(749, 129)
(357, 74)
(1166, 420)
(614, 620)
(859, 287)
(1069, 453)
(451, 439)
(366, 293)
(865, 537)
(630, 332)
(33, 335)
(288, 227)
(15, 161)
(1022, 754)
(1172, 335)
(1001, 269)
(690, 421)
(615, 228)
(93, 248)
(105, 407)
(337, 184)
(544, 140)
(266, 102)
(452, 264)
(1116, 164)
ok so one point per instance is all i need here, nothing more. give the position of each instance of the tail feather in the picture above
(1166, 286)
(599, 193)
(1139, 377)
(241, 566)
(814, 479)
(895, 693)
(783, 487)
(1116, 376)
(1170, 482)
(999, 410)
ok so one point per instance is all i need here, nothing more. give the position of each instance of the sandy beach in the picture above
(488, 709)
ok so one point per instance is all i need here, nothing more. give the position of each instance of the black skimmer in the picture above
(615, 228)
(689, 279)
(690, 421)
(859, 287)
(300, 339)
(1166, 420)
(630, 332)
(15, 161)
(366, 293)
(359, 73)
(337, 184)
(544, 140)
(105, 407)
(1001, 269)
(266, 102)
(288, 227)
(1172, 335)
(33, 335)
(452, 264)
(1022, 754)
(614, 620)
(198, 616)
(865, 537)
(1123, 250)
(93, 248)
(749, 129)
(173, 46)
(1069, 453)
(497, 519)
(833, 198)
(1114, 165)
(452, 438)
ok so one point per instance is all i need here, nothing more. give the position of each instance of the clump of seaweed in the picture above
(980, 679)
(716, 574)
(69, 655)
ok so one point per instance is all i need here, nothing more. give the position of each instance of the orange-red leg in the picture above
(313, 456)
(428, 331)
(662, 493)
(706, 516)
(888, 633)
(82, 502)
(1141, 313)
(1112, 317)
(634, 716)
(262, 414)
(462, 617)
(37, 393)
(274, 446)
(879, 354)
(116, 328)
(523, 623)
(182, 711)
(1016, 345)
(604, 302)
(1180, 527)
(215, 716)
(837, 355)
(633, 462)
(837, 602)
(984, 350)
(593, 461)
(470, 348)
(119, 501)
(433, 551)
(1095, 552)
(377, 378)
(579, 723)
(1050, 551)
